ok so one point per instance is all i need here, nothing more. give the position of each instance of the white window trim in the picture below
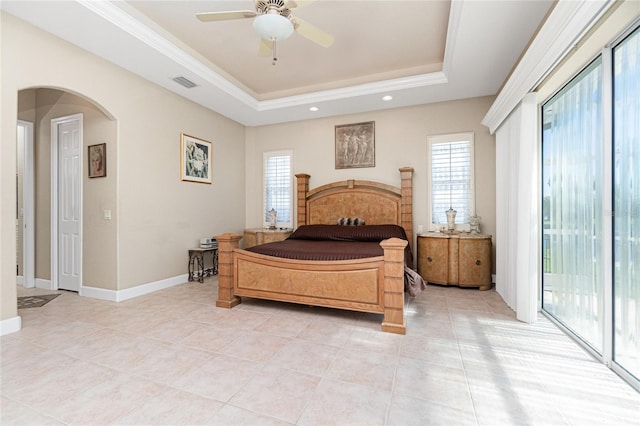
(266, 155)
(446, 138)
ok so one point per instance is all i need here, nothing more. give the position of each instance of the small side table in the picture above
(196, 263)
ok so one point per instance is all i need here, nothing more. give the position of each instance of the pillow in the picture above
(350, 221)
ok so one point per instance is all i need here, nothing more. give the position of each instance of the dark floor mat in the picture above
(35, 301)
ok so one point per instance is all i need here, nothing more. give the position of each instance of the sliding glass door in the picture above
(626, 191)
(591, 206)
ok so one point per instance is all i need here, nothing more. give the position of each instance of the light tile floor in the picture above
(172, 357)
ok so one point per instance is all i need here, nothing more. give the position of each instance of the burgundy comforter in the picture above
(336, 242)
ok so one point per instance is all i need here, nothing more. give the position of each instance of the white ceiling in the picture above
(417, 51)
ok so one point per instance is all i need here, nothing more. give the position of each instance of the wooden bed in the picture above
(374, 284)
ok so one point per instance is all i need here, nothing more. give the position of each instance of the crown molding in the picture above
(566, 24)
(413, 82)
(453, 29)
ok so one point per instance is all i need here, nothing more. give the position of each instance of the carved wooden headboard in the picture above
(375, 202)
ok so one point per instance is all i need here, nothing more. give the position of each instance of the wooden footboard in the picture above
(368, 285)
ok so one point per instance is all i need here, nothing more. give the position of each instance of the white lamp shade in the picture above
(272, 26)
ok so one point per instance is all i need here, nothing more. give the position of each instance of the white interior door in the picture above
(68, 132)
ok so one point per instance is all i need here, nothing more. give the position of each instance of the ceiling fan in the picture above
(274, 22)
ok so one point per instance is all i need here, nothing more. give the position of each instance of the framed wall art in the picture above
(195, 159)
(97, 160)
(355, 145)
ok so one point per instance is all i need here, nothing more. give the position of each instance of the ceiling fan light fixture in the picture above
(271, 26)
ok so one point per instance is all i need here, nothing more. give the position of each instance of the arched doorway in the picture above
(46, 109)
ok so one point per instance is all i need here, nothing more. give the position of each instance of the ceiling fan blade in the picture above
(225, 16)
(266, 47)
(297, 4)
(313, 33)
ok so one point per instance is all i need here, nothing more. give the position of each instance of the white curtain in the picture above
(517, 235)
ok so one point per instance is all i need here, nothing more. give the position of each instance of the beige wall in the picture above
(161, 216)
(156, 216)
(400, 140)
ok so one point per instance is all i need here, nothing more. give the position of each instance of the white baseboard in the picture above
(130, 293)
(98, 293)
(10, 325)
(44, 284)
(143, 289)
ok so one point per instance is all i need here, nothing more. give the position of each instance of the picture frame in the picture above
(195, 159)
(355, 145)
(97, 159)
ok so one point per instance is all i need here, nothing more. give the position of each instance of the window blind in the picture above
(572, 176)
(277, 188)
(451, 180)
(626, 191)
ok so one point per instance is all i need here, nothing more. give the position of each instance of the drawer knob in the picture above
(478, 262)
(429, 259)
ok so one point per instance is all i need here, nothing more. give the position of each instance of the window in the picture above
(451, 179)
(278, 188)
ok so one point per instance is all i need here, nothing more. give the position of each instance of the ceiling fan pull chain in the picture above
(275, 56)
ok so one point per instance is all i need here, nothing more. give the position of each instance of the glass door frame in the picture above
(607, 355)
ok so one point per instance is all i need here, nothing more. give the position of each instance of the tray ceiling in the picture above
(416, 51)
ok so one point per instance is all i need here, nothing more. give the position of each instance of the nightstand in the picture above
(459, 259)
(256, 236)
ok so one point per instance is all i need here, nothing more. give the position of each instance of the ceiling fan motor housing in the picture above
(265, 6)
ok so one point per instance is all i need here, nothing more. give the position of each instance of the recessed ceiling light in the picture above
(387, 98)
(314, 109)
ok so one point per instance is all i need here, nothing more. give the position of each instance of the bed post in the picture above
(406, 203)
(226, 243)
(394, 286)
(301, 196)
